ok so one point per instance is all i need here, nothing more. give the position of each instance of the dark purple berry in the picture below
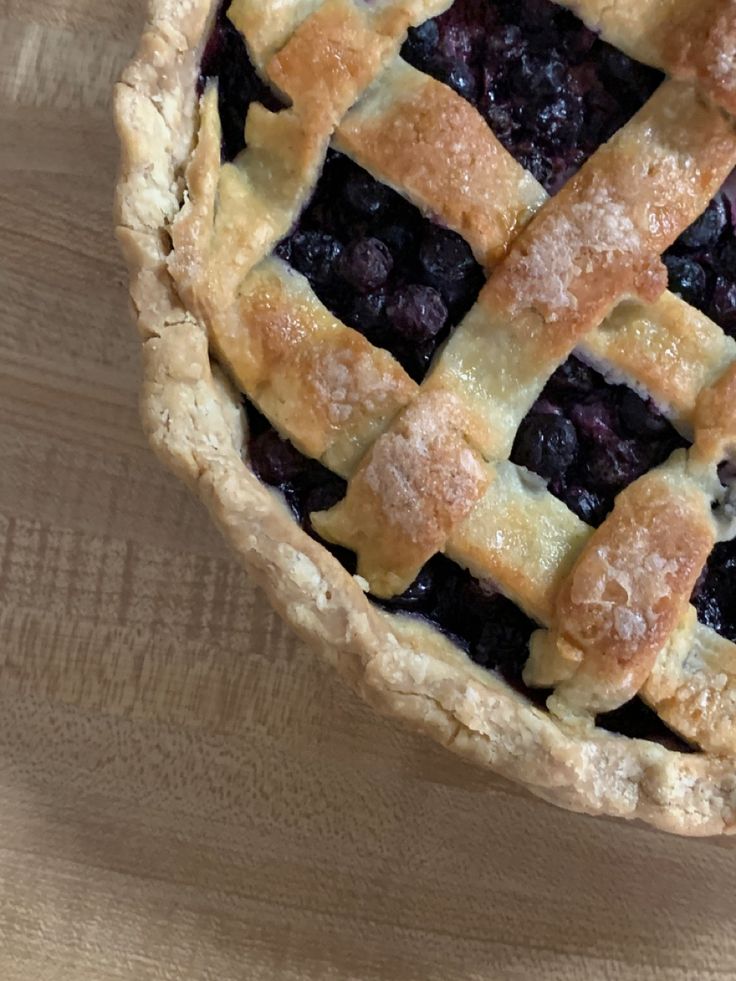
(686, 278)
(587, 505)
(574, 376)
(462, 41)
(466, 603)
(366, 311)
(714, 595)
(521, 78)
(445, 257)
(595, 420)
(615, 64)
(543, 406)
(538, 164)
(315, 254)
(506, 44)
(641, 417)
(708, 228)
(283, 249)
(366, 264)
(727, 258)
(325, 494)
(417, 312)
(709, 610)
(577, 43)
(503, 645)
(421, 44)
(546, 444)
(500, 120)
(274, 460)
(560, 122)
(399, 237)
(723, 304)
(614, 464)
(637, 721)
(549, 78)
(365, 194)
(537, 15)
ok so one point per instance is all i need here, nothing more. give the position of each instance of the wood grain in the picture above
(184, 792)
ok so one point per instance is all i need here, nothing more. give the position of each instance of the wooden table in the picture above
(185, 793)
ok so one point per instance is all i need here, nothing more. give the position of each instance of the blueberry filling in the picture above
(225, 58)
(380, 266)
(543, 82)
(491, 629)
(484, 623)
(715, 591)
(702, 262)
(549, 88)
(306, 485)
(590, 439)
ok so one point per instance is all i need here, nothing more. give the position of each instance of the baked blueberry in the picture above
(365, 194)
(417, 312)
(687, 278)
(546, 444)
(445, 258)
(366, 264)
(315, 254)
(708, 228)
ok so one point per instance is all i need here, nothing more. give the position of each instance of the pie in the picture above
(438, 308)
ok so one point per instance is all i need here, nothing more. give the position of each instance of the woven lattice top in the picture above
(427, 465)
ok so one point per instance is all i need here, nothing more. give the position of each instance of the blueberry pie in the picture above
(438, 311)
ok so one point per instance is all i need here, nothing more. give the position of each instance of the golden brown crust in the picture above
(418, 481)
(193, 420)
(625, 595)
(693, 686)
(597, 242)
(667, 348)
(479, 190)
(521, 538)
(329, 60)
(601, 237)
(315, 378)
(700, 44)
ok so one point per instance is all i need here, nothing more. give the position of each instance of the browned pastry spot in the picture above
(626, 593)
(479, 191)
(418, 481)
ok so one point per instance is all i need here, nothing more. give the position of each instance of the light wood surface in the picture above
(185, 793)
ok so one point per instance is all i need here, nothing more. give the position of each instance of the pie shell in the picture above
(401, 666)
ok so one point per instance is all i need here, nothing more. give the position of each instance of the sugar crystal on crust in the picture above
(566, 245)
(423, 472)
(347, 382)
